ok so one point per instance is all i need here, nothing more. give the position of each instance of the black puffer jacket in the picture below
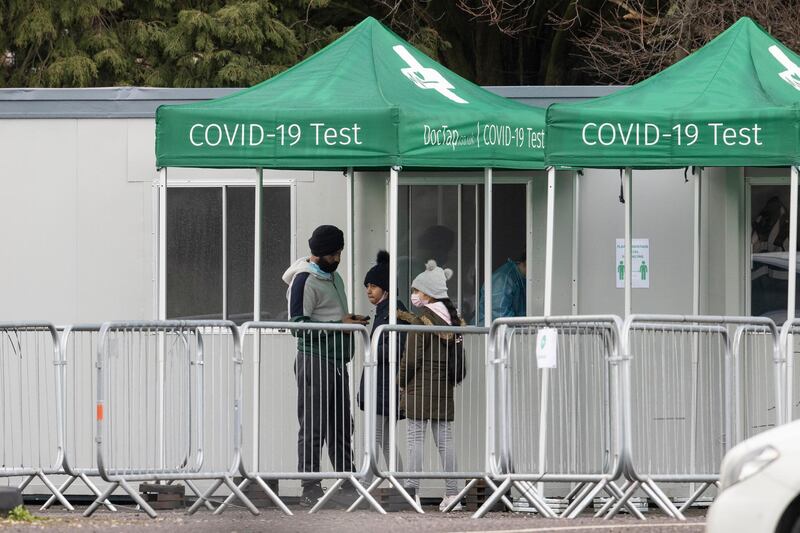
(382, 358)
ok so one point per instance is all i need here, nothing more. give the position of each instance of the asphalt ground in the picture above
(239, 520)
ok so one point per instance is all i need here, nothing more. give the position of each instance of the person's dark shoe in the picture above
(344, 497)
(311, 494)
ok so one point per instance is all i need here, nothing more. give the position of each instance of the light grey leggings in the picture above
(382, 439)
(443, 437)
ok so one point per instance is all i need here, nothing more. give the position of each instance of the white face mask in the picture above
(417, 301)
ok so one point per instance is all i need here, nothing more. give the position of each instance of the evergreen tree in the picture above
(175, 43)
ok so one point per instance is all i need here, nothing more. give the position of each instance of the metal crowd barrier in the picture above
(792, 393)
(311, 401)
(560, 424)
(683, 384)
(169, 397)
(657, 400)
(436, 382)
(31, 413)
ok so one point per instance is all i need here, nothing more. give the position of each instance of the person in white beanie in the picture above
(430, 368)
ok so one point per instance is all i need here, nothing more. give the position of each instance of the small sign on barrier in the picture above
(546, 342)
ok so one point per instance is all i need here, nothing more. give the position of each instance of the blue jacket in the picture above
(508, 293)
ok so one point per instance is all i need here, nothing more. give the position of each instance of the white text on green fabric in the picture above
(649, 134)
(241, 134)
(484, 134)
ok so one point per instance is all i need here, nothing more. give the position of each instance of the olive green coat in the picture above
(425, 393)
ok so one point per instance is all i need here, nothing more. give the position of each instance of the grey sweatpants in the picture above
(443, 437)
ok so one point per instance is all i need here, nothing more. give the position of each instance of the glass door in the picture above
(768, 248)
(445, 223)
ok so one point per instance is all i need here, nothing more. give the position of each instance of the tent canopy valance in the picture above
(734, 102)
(368, 100)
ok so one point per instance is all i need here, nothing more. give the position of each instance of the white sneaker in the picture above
(446, 503)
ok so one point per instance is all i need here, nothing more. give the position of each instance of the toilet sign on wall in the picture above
(640, 264)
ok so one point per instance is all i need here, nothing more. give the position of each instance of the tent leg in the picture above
(394, 185)
(548, 309)
(162, 245)
(257, 246)
(790, 311)
(576, 218)
(259, 198)
(628, 239)
(349, 244)
(548, 265)
(487, 247)
(791, 303)
(696, 254)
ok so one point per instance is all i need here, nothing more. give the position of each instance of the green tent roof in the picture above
(369, 99)
(734, 102)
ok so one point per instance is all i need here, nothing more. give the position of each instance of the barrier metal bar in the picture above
(78, 344)
(31, 413)
(759, 379)
(584, 410)
(186, 372)
(321, 393)
(788, 330)
(431, 396)
(691, 350)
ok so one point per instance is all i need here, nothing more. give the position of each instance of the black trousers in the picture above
(323, 411)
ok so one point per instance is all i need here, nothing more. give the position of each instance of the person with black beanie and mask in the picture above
(376, 283)
(316, 294)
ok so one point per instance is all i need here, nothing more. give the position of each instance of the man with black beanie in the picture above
(316, 294)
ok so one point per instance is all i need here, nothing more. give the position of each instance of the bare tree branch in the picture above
(510, 17)
(626, 41)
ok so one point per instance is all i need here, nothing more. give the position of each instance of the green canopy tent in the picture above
(369, 100)
(734, 102)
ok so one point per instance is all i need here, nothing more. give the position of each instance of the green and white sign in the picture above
(640, 264)
(734, 102)
(367, 100)
(546, 348)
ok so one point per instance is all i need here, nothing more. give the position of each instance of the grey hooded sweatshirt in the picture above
(314, 297)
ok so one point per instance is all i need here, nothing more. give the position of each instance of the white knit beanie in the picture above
(433, 281)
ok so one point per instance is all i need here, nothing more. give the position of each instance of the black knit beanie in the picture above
(326, 240)
(379, 274)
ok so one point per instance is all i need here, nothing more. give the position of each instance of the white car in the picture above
(760, 485)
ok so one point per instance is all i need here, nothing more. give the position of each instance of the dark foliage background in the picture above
(207, 43)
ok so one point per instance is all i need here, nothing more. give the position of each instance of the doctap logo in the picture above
(792, 73)
(426, 78)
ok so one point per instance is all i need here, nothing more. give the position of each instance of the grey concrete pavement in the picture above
(240, 521)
